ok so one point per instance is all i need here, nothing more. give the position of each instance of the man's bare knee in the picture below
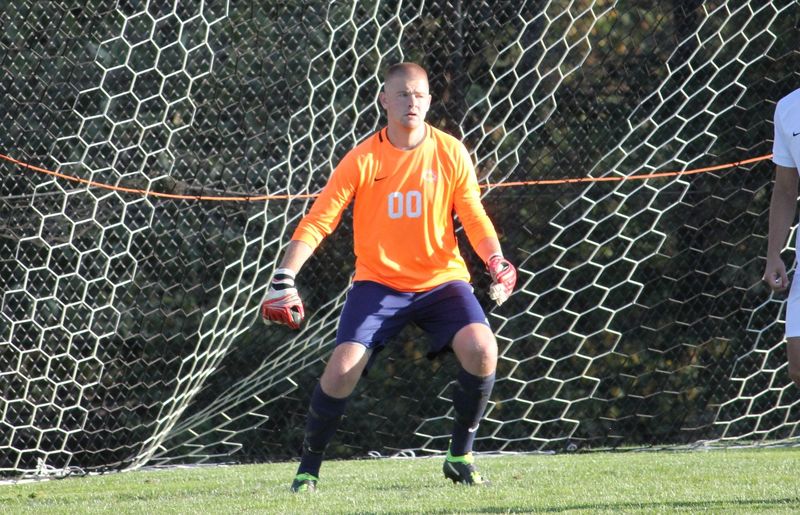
(344, 369)
(485, 357)
(476, 349)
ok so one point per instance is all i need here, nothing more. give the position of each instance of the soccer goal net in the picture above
(156, 156)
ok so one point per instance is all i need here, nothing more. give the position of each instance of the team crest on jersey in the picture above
(429, 176)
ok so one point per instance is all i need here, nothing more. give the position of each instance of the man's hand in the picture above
(504, 277)
(282, 304)
(775, 274)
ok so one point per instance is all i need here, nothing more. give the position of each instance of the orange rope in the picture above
(255, 198)
(618, 178)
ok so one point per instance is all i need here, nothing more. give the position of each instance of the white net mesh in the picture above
(128, 329)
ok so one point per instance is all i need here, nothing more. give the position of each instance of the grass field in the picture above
(723, 481)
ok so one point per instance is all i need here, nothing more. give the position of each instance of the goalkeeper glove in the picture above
(504, 277)
(282, 304)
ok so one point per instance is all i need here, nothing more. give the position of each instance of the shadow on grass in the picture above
(668, 506)
(683, 505)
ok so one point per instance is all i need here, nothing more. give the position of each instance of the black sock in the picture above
(324, 414)
(470, 398)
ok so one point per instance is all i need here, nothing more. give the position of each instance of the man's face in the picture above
(406, 99)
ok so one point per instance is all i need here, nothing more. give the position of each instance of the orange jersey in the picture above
(403, 228)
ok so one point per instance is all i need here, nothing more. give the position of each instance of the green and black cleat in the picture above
(461, 469)
(304, 483)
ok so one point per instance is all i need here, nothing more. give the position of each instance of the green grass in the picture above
(724, 481)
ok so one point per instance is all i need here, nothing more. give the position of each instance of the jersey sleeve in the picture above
(781, 155)
(325, 213)
(467, 200)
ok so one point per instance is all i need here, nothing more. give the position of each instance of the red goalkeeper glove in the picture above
(282, 304)
(504, 277)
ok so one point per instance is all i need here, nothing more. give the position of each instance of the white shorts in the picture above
(793, 308)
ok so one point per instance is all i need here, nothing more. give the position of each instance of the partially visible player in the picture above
(406, 180)
(782, 209)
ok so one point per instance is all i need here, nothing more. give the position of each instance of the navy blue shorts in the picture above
(374, 313)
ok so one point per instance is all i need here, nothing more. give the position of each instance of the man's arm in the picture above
(782, 209)
(297, 253)
(478, 228)
(504, 275)
(487, 248)
(480, 231)
(283, 304)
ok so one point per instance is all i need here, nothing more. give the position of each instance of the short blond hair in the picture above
(406, 69)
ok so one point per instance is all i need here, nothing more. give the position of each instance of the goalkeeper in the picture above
(406, 181)
(782, 209)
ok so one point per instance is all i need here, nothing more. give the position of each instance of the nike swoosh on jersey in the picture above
(796, 134)
(376, 179)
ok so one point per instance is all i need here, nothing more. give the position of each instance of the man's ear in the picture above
(382, 99)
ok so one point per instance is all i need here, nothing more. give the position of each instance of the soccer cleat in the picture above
(461, 469)
(304, 483)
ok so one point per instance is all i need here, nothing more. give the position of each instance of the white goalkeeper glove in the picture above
(504, 277)
(282, 304)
